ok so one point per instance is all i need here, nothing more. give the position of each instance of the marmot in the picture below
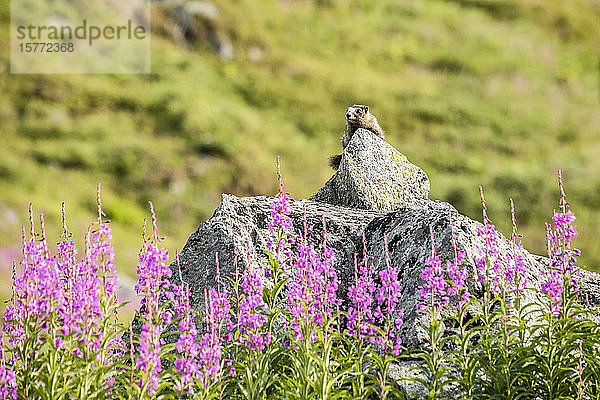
(357, 116)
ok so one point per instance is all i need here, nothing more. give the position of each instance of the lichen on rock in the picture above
(374, 176)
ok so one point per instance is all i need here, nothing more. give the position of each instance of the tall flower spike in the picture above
(99, 202)
(388, 297)
(483, 207)
(433, 291)
(250, 318)
(457, 275)
(31, 223)
(561, 274)
(144, 235)
(489, 264)
(44, 239)
(515, 262)
(154, 223)
(66, 232)
(279, 177)
(187, 345)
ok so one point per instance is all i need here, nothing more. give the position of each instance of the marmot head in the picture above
(356, 113)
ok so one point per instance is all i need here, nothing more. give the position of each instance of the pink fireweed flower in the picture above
(553, 285)
(312, 286)
(278, 241)
(388, 296)
(561, 274)
(251, 318)
(433, 291)
(148, 360)
(361, 292)
(209, 358)
(514, 259)
(210, 347)
(153, 273)
(492, 268)
(153, 282)
(187, 346)
(103, 253)
(8, 380)
(93, 278)
(457, 276)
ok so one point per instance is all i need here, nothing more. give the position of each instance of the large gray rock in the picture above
(374, 176)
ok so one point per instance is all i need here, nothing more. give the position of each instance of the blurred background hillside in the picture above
(498, 93)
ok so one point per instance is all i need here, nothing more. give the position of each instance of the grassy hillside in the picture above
(500, 93)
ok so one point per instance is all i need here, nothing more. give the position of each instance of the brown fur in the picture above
(357, 116)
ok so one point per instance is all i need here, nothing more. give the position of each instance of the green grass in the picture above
(500, 93)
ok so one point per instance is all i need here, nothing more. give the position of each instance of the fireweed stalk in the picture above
(433, 296)
(387, 311)
(218, 321)
(498, 281)
(252, 314)
(360, 319)
(565, 322)
(361, 292)
(561, 275)
(389, 316)
(153, 275)
(187, 347)
(461, 354)
(252, 341)
(279, 241)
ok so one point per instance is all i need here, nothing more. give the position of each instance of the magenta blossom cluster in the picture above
(433, 291)
(279, 242)
(103, 254)
(561, 274)
(186, 345)
(494, 269)
(148, 360)
(8, 381)
(210, 349)
(210, 357)
(514, 259)
(489, 264)
(361, 292)
(251, 316)
(457, 279)
(312, 288)
(95, 277)
(388, 296)
(515, 269)
(153, 274)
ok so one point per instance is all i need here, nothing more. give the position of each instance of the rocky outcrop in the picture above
(375, 191)
(238, 230)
